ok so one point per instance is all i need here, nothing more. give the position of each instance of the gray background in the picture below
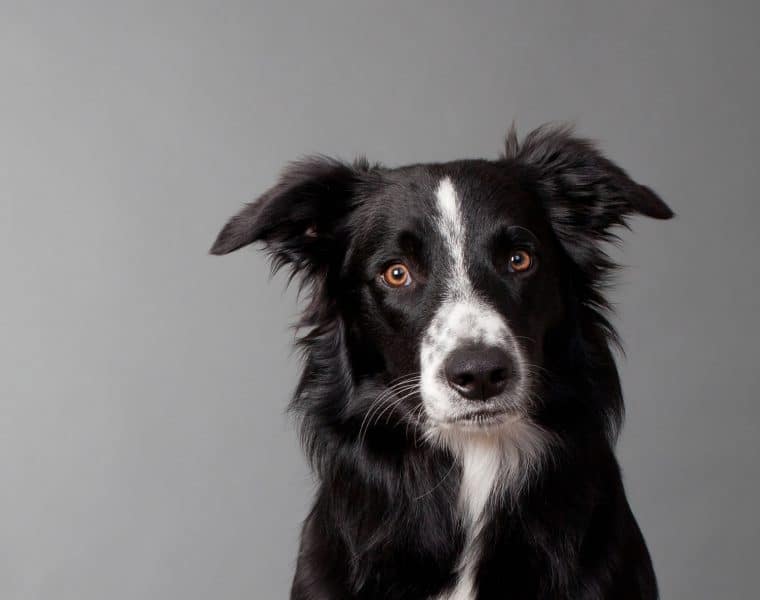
(144, 451)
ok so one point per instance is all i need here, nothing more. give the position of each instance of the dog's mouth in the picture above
(479, 419)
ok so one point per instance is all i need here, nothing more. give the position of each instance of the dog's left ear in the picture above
(300, 218)
(586, 195)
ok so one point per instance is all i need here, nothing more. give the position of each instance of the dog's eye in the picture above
(520, 261)
(397, 276)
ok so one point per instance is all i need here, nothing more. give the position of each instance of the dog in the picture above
(459, 401)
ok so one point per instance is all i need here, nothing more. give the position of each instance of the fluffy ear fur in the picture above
(586, 195)
(300, 217)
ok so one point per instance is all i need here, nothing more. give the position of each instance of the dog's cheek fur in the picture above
(378, 492)
(406, 494)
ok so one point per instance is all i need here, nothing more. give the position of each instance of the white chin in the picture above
(490, 421)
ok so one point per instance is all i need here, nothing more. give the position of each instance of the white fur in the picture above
(451, 226)
(456, 323)
(461, 318)
(499, 458)
(481, 463)
(494, 461)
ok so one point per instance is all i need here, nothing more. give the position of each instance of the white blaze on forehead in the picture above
(451, 226)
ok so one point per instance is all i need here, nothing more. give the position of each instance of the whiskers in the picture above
(387, 401)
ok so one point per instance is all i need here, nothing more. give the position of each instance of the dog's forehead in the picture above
(484, 192)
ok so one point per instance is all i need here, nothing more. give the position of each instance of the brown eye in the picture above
(520, 261)
(397, 275)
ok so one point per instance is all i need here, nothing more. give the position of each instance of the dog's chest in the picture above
(481, 468)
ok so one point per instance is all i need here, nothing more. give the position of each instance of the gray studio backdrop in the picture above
(144, 449)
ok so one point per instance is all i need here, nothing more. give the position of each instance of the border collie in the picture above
(459, 400)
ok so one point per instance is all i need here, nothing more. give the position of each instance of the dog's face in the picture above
(445, 280)
(453, 270)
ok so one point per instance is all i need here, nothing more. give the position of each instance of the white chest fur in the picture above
(481, 464)
(499, 463)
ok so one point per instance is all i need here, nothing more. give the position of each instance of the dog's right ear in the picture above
(300, 218)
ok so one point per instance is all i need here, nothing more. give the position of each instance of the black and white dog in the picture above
(459, 401)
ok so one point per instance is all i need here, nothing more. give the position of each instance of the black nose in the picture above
(478, 372)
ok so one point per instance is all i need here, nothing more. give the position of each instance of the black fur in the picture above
(385, 524)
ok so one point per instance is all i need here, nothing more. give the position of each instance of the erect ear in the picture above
(586, 195)
(300, 217)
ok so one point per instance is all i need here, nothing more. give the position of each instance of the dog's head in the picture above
(449, 294)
